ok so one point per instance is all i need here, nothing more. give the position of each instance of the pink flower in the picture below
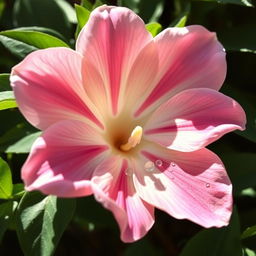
(127, 117)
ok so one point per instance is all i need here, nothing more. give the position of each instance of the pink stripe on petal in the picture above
(189, 57)
(63, 159)
(192, 185)
(115, 190)
(110, 42)
(48, 88)
(193, 119)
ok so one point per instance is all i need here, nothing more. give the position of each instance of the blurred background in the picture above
(92, 230)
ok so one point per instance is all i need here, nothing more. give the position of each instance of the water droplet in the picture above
(159, 163)
(128, 172)
(149, 166)
(173, 164)
(207, 185)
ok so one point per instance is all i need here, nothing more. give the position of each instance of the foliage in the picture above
(46, 225)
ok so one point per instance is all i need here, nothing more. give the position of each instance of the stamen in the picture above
(134, 139)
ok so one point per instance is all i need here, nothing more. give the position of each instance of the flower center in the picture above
(133, 140)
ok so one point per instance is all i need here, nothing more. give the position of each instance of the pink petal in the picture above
(193, 119)
(114, 189)
(110, 41)
(189, 57)
(63, 159)
(190, 185)
(48, 88)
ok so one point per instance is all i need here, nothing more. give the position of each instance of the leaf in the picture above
(68, 10)
(97, 4)
(34, 38)
(5, 82)
(182, 22)
(248, 252)
(46, 13)
(6, 212)
(86, 4)
(240, 38)
(83, 15)
(7, 100)
(251, 231)
(23, 145)
(216, 241)
(43, 30)
(5, 180)
(247, 3)
(182, 12)
(148, 10)
(154, 28)
(17, 48)
(41, 221)
(21, 43)
(18, 190)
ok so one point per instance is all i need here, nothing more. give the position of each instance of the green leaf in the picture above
(34, 38)
(182, 22)
(68, 10)
(247, 3)
(216, 241)
(148, 10)
(6, 212)
(86, 4)
(154, 28)
(46, 13)
(21, 43)
(7, 100)
(17, 48)
(249, 252)
(251, 231)
(245, 42)
(5, 180)
(5, 82)
(182, 12)
(23, 145)
(18, 190)
(41, 221)
(43, 30)
(97, 4)
(83, 15)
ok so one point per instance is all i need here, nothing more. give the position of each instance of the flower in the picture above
(127, 117)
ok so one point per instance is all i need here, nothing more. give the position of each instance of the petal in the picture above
(63, 159)
(114, 189)
(193, 119)
(110, 41)
(189, 57)
(191, 185)
(48, 88)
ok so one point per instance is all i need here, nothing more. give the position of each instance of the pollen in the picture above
(133, 140)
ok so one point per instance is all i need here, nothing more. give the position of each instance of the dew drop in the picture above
(128, 172)
(149, 166)
(159, 163)
(207, 185)
(173, 164)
